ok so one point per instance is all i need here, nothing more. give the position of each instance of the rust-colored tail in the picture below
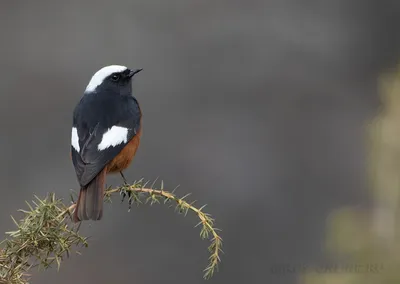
(90, 200)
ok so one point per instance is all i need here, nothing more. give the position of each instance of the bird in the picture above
(106, 132)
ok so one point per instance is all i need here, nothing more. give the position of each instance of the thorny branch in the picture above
(46, 234)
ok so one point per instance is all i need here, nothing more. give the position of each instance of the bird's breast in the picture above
(125, 157)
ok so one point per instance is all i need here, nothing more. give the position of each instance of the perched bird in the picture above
(105, 136)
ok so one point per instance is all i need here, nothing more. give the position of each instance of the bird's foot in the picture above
(124, 179)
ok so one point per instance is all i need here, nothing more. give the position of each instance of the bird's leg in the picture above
(123, 177)
(126, 192)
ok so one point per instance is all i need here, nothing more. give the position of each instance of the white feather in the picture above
(100, 75)
(75, 139)
(113, 137)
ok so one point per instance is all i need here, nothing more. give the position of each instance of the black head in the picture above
(112, 79)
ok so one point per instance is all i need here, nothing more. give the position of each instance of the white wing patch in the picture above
(113, 137)
(75, 139)
(100, 75)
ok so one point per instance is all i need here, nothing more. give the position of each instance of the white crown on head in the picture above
(103, 73)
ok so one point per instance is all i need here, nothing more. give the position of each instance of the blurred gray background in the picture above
(256, 107)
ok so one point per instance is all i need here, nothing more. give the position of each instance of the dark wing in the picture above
(92, 125)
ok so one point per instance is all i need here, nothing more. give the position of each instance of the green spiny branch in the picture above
(45, 235)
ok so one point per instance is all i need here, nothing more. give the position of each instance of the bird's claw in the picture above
(128, 193)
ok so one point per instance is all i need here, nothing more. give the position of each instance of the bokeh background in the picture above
(256, 107)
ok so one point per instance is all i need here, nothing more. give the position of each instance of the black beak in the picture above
(133, 72)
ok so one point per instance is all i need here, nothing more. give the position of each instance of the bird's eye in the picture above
(115, 77)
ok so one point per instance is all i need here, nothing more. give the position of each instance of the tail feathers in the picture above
(90, 200)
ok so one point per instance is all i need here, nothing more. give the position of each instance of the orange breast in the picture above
(125, 157)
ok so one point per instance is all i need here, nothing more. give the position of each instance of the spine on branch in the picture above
(46, 234)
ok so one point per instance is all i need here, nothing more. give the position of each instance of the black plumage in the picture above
(93, 116)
